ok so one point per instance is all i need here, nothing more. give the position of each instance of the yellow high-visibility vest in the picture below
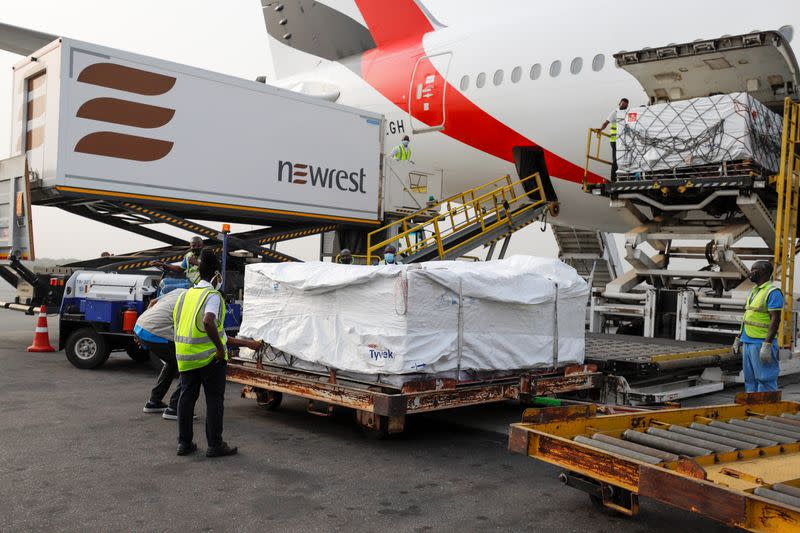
(193, 347)
(613, 136)
(756, 314)
(192, 271)
(404, 154)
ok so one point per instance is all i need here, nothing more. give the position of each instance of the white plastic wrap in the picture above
(431, 318)
(699, 131)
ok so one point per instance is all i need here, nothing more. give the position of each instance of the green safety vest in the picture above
(193, 347)
(756, 314)
(405, 153)
(192, 271)
(613, 137)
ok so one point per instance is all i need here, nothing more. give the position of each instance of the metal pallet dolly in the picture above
(382, 408)
(738, 463)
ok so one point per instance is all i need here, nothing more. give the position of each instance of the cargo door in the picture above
(426, 98)
(760, 63)
(35, 101)
(16, 231)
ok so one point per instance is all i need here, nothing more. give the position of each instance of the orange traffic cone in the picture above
(41, 339)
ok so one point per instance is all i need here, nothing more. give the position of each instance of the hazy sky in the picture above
(227, 37)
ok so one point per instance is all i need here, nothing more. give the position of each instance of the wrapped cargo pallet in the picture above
(701, 131)
(441, 318)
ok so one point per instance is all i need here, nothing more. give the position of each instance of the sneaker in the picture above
(172, 414)
(222, 450)
(154, 407)
(186, 450)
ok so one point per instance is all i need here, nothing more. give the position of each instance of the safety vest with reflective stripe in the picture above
(403, 153)
(192, 271)
(193, 347)
(613, 136)
(756, 314)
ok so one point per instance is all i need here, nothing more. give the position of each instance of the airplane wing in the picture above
(23, 41)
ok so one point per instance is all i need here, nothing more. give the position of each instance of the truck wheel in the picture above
(269, 400)
(137, 353)
(86, 348)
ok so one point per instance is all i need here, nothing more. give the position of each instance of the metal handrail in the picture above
(490, 210)
(594, 133)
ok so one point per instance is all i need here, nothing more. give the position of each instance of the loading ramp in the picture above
(451, 228)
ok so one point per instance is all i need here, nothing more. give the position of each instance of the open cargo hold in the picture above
(738, 464)
(724, 128)
(432, 319)
(99, 122)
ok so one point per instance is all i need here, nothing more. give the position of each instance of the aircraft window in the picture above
(516, 74)
(536, 71)
(555, 68)
(481, 80)
(498, 77)
(465, 83)
(598, 62)
(576, 65)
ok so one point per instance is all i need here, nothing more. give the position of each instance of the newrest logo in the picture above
(323, 177)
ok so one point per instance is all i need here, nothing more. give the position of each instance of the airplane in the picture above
(485, 90)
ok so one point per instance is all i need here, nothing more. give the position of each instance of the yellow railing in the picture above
(593, 151)
(788, 185)
(490, 206)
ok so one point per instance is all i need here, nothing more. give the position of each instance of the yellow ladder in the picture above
(788, 186)
(484, 209)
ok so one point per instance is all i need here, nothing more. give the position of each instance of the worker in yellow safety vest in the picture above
(757, 338)
(189, 265)
(201, 353)
(616, 118)
(402, 152)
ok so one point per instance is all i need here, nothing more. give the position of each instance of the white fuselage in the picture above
(554, 111)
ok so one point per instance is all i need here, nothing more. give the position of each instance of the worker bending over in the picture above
(154, 330)
(189, 265)
(760, 324)
(202, 355)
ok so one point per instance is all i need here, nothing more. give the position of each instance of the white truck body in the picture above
(95, 121)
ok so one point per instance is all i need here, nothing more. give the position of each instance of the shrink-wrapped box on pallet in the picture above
(440, 318)
(701, 131)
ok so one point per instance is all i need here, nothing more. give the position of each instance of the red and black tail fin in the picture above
(338, 29)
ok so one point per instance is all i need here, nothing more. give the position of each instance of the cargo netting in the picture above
(708, 136)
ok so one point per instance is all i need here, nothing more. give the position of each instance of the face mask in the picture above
(388, 257)
(405, 143)
(753, 276)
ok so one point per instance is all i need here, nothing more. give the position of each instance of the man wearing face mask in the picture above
(616, 118)
(402, 152)
(200, 349)
(389, 256)
(759, 328)
(345, 257)
(189, 265)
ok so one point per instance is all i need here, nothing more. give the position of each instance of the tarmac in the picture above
(78, 454)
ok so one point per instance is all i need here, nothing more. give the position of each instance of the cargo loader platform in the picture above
(381, 408)
(738, 464)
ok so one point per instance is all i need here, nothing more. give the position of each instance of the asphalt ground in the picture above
(78, 454)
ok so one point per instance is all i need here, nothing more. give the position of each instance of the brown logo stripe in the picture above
(299, 182)
(34, 138)
(35, 108)
(127, 79)
(123, 146)
(119, 111)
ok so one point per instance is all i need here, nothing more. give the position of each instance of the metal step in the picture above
(587, 250)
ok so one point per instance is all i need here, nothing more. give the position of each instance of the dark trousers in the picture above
(613, 160)
(212, 378)
(165, 352)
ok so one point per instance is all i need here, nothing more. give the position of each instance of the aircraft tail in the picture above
(338, 29)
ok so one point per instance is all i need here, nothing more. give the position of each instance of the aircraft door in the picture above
(426, 98)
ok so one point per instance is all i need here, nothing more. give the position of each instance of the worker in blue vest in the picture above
(402, 152)
(616, 118)
(757, 339)
(202, 356)
(189, 265)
